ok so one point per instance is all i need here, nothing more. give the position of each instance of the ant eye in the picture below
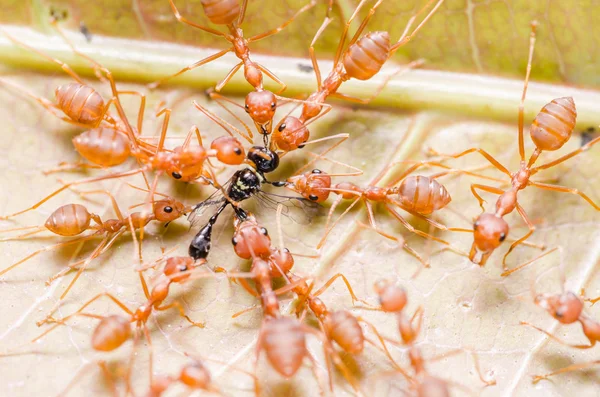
(234, 241)
(502, 237)
(237, 151)
(247, 108)
(168, 209)
(475, 225)
(273, 105)
(176, 175)
(316, 171)
(313, 197)
(281, 127)
(264, 231)
(558, 313)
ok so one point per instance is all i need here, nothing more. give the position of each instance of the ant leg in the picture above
(348, 286)
(190, 67)
(65, 166)
(564, 189)
(556, 339)
(517, 268)
(567, 156)
(331, 210)
(48, 248)
(34, 230)
(92, 256)
(436, 224)
(531, 226)
(404, 38)
(570, 368)
(399, 72)
(242, 15)
(363, 25)
(141, 110)
(283, 25)
(79, 313)
(179, 307)
(222, 123)
(220, 99)
(228, 77)
(522, 103)
(75, 265)
(338, 52)
(399, 241)
(311, 49)
(79, 182)
(66, 68)
(273, 77)
(485, 154)
(253, 307)
(321, 156)
(418, 232)
(192, 24)
(485, 188)
(112, 199)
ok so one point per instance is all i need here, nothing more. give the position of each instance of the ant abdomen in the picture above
(366, 57)
(111, 333)
(81, 103)
(103, 146)
(69, 220)
(345, 330)
(221, 12)
(553, 125)
(422, 194)
(285, 345)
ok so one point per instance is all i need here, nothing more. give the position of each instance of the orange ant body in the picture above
(567, 308)
(362, 59)
(393, 299)
(74, 219)
(549, 131)
(417, 195)
(260, 104)
(114, 330)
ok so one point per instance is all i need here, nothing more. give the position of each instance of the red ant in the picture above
(194, 375)
(418, 195)
(550, 130)
(393, 299)
(74, 219)
(114, 330)
(103, 145)
(567, 308)
(362, 59)
(260, 103)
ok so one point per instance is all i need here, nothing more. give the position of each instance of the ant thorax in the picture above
(244, 184)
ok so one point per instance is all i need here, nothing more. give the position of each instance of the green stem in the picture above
(474, 95)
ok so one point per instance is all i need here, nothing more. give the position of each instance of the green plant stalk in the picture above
(130, 60)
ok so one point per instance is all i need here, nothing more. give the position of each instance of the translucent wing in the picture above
(298, 209)
(201, 211)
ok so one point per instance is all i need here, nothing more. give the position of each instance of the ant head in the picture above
(263, 159)
(281, 262)
(261, 106)
(290, 134)
(313, 185)
(490, 232)
(565, 307)
(111, 333)
(392, 298)
(167, 210)
(221, 12)
(177, 268)
(251, 240)
(195, 375)
(230, 151)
